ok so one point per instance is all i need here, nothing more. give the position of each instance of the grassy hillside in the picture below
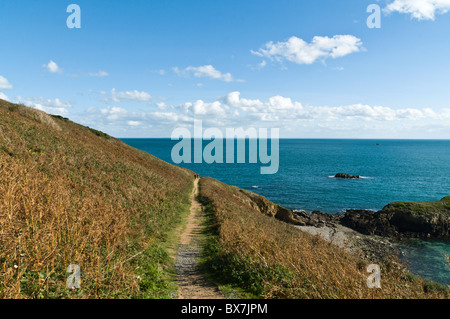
(249, 249)
(73, 195)
(421, 208)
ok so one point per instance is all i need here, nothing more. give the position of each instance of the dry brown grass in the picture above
(272, 259)
(44, 229)
(68, 196)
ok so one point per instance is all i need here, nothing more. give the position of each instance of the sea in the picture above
(390, 170)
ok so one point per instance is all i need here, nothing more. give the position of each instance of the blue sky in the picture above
(311, 68)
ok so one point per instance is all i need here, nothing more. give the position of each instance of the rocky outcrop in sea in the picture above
(347, 176)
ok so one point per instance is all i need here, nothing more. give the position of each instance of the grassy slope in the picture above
(72, 195)
(422, 208)
(267, 258)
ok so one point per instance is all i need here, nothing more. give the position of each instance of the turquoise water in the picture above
(427, 259)
(392, 170)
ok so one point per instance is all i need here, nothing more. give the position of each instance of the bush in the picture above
(100, 134)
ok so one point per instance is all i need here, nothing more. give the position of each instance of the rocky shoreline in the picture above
(374, 248)
(329, 227)
(376, 233)
(403, 220)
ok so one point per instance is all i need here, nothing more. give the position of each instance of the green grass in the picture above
(13, 107)
(154, 274)
(222, 270)
(99, 133)
(236, 275)
(421, 208)
(59, 117)
(156, 267)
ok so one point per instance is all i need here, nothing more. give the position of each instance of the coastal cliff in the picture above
(397, 220)
(404, 219)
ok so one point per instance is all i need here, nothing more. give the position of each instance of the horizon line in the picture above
(311, 138)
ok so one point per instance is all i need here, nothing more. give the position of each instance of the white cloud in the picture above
(283, 111)
(4, 84)
(286, 109)
(134, 123)
(4, 96)
(299, 51)
(161, 105)
(204, 71)
(419, 9)
(297, 119)
(262, 64)
(55, 106)
(172, 117)
(121, 121)
(128, 96)
(52, 67)
(99, 74)
(117, 115)
(114, 113)
(217, 108)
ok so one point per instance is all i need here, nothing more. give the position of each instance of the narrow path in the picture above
(192, 284)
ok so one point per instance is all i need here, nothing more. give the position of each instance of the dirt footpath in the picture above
(192, 284)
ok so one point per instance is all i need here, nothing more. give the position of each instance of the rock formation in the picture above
(347, 176)
(404, 219)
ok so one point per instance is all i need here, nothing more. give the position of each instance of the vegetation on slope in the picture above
(73, 195)
(268, 258)
(421, 208)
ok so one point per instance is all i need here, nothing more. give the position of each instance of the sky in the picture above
(313, 69)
